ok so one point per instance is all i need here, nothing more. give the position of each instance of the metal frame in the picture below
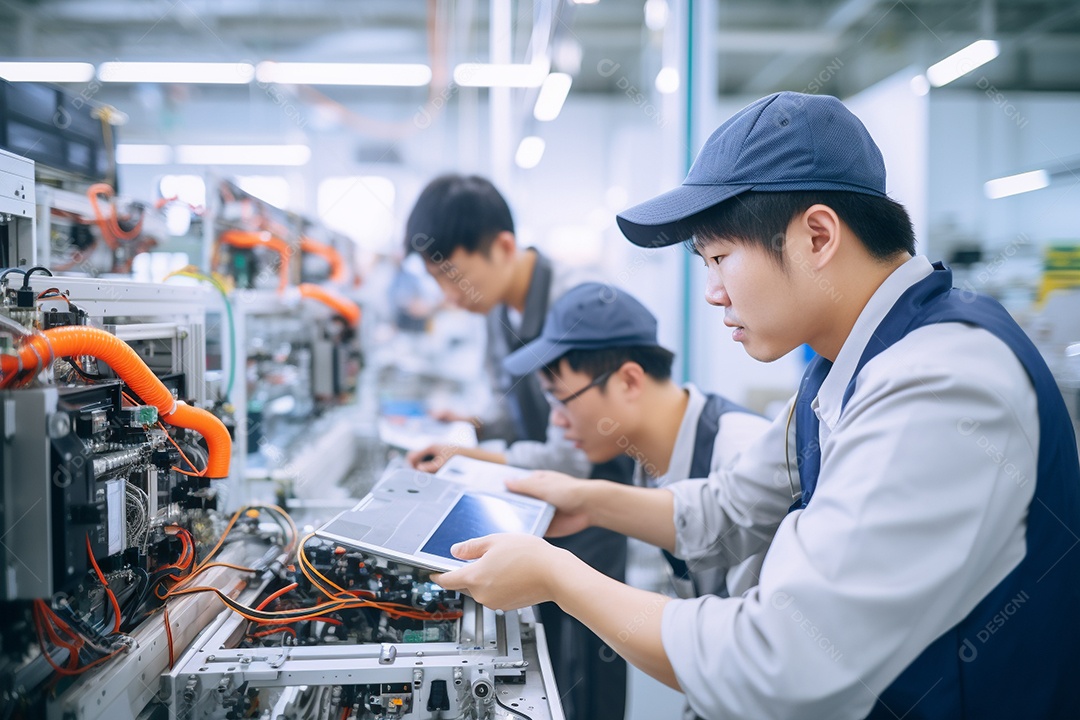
(507, 652)
(17, 198)
(323, 451)
(26, 546)
(174, 315)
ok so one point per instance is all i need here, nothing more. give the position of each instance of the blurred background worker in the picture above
(464, 230)
(599, 337)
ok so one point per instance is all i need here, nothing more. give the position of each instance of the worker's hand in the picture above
(431, 458)
(566, 493)
(511, 570)
(445, 415)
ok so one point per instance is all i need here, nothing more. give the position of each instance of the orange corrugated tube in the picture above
(38, 350)
(342, 306)
(247, 240)
(328, 253)
(109, 226)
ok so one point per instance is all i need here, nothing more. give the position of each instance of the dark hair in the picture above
(455, 211)
(762, 218)
(653, 359)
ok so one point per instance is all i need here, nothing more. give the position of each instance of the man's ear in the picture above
(630, 380)
(819, 229)
(503, 246)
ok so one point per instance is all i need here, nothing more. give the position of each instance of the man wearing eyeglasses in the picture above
(921, 496)
(608, 383)
(463, 229)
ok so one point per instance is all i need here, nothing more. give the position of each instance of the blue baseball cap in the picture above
(786, 141)
(590, 316)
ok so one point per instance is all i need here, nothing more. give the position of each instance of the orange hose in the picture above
(110, 226)
(342, 306)
(328, 253)
(248, 240)
(213, 431)
(39, 350)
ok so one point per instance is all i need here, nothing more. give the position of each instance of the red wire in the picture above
(105, 584)
(264, 633)
(39, 620)
(168, 634)
(40, 609)
(274, 596)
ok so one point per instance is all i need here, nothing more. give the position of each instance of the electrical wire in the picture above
(3, 275)
(272, 631)
(192, 272)
(195, 471)
(51, 293)
(46, 622)
(507, 708)
(31, 271)
(105, 584)
(168, 635)
(275, 595)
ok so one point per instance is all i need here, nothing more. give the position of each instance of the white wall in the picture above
(973, 138)
(898, 120)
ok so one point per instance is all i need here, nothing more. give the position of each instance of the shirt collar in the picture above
(683, 451)
(828, 403)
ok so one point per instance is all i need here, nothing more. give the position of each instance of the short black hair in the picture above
(456, 211)
(653, 359)
(761, 218)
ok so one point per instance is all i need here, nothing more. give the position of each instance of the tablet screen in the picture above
(476, 515)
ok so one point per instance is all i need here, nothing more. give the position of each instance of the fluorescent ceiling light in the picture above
(552, 96)
(194, 73)
(584, 2)
(388, 74)
(59, 72)
(511, 75)
(961, 63)
(127, 154)
(667, 80)
(243, 154)
(1016, 184)
(529, 152)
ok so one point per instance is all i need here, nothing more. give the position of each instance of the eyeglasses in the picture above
(560, 404)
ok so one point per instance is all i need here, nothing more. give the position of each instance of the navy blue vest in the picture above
(708, 426)
(1017, 654)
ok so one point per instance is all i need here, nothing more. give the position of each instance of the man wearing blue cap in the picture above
(922, 491)
(608, 383)
(463, 229)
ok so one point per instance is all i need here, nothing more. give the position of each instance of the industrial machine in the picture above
(138, 578)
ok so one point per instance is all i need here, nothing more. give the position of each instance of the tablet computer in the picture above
(414, 518)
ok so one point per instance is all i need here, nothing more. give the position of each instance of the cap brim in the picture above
(530, 358)
(654, 223)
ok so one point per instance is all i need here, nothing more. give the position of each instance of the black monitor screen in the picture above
(478, 515)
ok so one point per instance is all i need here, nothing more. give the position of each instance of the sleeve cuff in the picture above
(692, 635)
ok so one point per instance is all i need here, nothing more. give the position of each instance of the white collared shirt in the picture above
(736, 432)
(920, 510)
